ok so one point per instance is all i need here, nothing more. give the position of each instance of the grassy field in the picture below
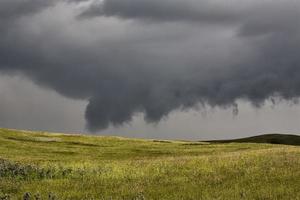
(37, 165)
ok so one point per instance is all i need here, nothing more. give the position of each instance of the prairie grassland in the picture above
(90, 167)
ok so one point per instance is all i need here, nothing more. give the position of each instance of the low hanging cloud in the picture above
(153, 57)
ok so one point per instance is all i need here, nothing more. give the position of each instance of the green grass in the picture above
(91, 167)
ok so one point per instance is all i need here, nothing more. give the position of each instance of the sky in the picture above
(193, 69)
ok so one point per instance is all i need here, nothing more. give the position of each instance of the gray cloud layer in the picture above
(205, 53)
(167, 10)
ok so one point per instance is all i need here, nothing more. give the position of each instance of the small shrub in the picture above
(51, 196)
(26, 196)
(4, 197)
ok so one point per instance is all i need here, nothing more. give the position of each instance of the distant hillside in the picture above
(268, 138)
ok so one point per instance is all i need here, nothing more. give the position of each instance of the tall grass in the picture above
(84, 167)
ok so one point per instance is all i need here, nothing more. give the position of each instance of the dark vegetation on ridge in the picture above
(267, 138)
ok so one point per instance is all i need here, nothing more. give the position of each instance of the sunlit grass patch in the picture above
(87, 167)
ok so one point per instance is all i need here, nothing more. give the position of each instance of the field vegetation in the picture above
(39, 165)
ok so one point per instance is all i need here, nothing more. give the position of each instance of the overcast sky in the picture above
(192, 69)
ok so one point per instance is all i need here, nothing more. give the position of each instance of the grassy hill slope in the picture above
(95, 167)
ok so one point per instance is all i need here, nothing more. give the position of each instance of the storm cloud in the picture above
(167, 10)
(153, 57)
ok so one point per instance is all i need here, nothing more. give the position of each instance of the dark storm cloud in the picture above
(11, 9)
(16, 8)
(166, 10)
(123, 68)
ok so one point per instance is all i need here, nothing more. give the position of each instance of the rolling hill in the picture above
(40, 165)
(267, 138)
